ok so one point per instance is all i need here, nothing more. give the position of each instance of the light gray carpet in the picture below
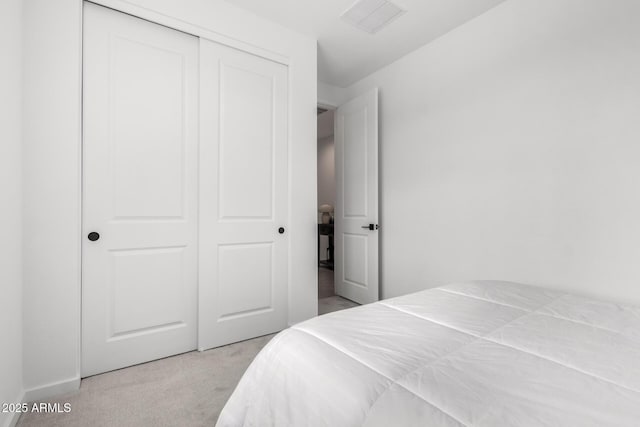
(185, 390)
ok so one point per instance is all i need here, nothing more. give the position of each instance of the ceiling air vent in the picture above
(371, 15)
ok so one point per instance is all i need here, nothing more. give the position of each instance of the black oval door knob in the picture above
(93, 236)
(281, 230)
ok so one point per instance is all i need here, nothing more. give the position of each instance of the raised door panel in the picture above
(147, 135)
(246, 161)
(132, 272)
(248, 290)
(355, 250)
(355, 157)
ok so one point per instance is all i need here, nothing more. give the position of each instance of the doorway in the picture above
(328, 301)
(348, 237)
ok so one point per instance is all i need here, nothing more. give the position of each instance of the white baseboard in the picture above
(41, 393)
(51, 390)
(14, 416)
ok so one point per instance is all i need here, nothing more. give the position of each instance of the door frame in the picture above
(59, 27)
(191, 29)
(174, 24)
(329, 106)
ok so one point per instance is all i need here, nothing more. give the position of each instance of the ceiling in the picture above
(347, 54)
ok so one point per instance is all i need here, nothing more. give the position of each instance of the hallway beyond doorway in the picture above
(328, 301)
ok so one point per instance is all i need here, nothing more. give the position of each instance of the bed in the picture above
(481, 353)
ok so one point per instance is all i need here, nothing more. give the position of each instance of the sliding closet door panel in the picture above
(146, 110)
(140, 191)
(244, 196)
(247, 152)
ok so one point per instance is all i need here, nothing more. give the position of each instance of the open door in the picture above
(356, 214)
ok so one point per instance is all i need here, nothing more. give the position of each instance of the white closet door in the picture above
(139, 278)
(356, 220)
(243, 195)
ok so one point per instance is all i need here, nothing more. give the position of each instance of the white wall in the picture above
(51, 195)
(510, 150)
(52, 168)
(330, 95)
(10, 212)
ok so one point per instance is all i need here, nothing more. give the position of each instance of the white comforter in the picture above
(467, 354)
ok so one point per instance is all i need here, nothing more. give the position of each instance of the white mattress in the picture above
(481, 353)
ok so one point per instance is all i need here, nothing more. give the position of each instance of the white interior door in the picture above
(356, 214)
(243, 196)
(139, 296)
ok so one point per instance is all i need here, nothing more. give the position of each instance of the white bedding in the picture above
(481, 353)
